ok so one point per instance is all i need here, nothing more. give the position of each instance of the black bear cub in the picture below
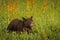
(21, 25)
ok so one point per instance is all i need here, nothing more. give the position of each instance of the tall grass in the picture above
(47, 21)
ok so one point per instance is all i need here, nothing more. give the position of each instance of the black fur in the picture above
(21, 25)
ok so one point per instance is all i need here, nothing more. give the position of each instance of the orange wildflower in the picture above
(13, 4)
(17, 3)
(9, 4)
(34, 3)
(44, 5)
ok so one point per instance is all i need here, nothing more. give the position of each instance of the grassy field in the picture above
(46, 16)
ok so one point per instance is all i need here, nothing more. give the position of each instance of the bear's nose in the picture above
(32, 24)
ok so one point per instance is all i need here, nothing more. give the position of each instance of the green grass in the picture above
(47, 23)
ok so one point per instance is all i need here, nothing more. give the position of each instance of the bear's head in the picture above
(28, 22)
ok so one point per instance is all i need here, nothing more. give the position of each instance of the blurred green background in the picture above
(46, 16)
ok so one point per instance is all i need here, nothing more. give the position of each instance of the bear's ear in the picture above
(24, 18)
(31, 17)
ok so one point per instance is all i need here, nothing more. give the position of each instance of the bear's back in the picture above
(15, 25)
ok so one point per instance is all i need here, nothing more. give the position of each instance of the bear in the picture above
(21, 25)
